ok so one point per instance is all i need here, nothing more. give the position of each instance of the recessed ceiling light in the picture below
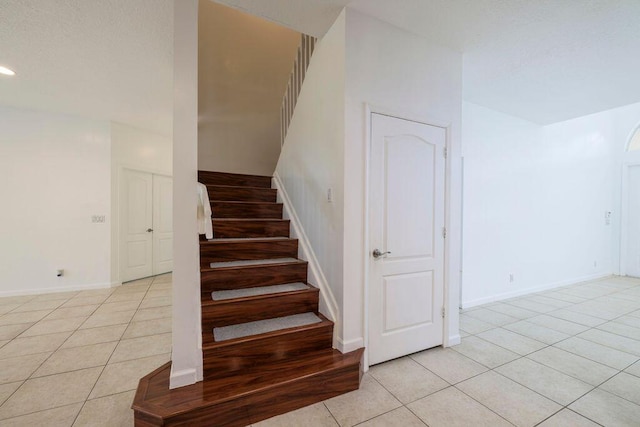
(6, 71)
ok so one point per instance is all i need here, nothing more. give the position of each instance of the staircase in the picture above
(266, 348)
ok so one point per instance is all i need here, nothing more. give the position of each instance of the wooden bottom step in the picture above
(249, 397)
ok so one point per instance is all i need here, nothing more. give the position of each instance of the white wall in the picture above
(244, 66)
(312, 157)
(139, 149)
(535, 199)
(401, 74)
(186, 355)
(54, 175)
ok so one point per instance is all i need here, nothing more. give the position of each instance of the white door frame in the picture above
(624, 214)
(120, 229)
(403, 115)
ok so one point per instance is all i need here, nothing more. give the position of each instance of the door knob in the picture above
(377, 254)
(149, 230)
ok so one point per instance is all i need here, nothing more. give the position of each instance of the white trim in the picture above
(40, 291)
(534, 289)
(349, 345)
(183, 378)
(624, 214)
(370, 109)
(328, 303)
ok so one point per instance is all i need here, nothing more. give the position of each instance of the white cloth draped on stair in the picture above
(204, 212)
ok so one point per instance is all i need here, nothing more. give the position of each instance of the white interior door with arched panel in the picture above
(406, 237)
(146, 225)
(631, 221)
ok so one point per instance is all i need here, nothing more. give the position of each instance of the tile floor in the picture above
(75, 358)
(566, 357)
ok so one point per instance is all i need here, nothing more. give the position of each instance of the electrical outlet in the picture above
(98, 218)
(511, 278)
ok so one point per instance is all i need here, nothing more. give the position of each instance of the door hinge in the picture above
(444, 232)
(443, 312)
(445, 151)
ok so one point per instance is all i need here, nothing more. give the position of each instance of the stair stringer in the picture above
(328, 305)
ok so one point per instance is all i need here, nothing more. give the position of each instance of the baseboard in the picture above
(183, 378)
(527, 291)
(452, 340)
(349, 345)
(38, 291)
(328, 303)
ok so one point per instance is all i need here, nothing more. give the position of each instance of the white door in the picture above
(633, 222)
(146, 224)
(162, 224)
(407, 190)
(137, 225)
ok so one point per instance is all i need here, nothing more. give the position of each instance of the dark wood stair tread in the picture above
(307, 380)
(234, 179)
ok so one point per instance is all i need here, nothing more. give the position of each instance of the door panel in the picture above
(162, 224)
(137, 218)
(633, 223)
(406, 286)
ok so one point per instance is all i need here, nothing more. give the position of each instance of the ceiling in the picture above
(543, 60)
(107, 59)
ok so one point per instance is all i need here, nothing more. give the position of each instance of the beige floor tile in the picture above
(125, 297)
(492, 317)
(56, 296)
(448, 364)
(38, 394)
(400, 417)
(131, 289)
(20, 368)
(361, 405)
(578, 367)
(536, 332)
(513, 311)
(9, 332)
(312, 416)
(72, 359)
(629, 321)
(33, 345)
(564, 297)
(452, 408)
(3, 342)
(104, 292)
(530, 305)
(472, 325)
(124, 376)
(148, 327)
(82, 301)
(559, 325)
(607, 409)
(155, 302)
(95, 336)
(594, 310)
(484, 352)
(509, 399)
(550, 383)
(621, 329)
(152, 313)
(582, 319)
(109, 411)
(160, 285)
(587, 291)
(406, 379)
(118, 306)
(549, 302)
(45, 327)
(4, 309)
(618, 342)
(634, 369)
(7, 390)
(20, 299)
(598, 353)
(23, 317)
(158, 293)
(163, 278)
(108, 319)
(136, 348)
(38, 306)
(70, 312)
(58, 417)
(147, 281)
(625, 386)
(567, 418)
(511, 341)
